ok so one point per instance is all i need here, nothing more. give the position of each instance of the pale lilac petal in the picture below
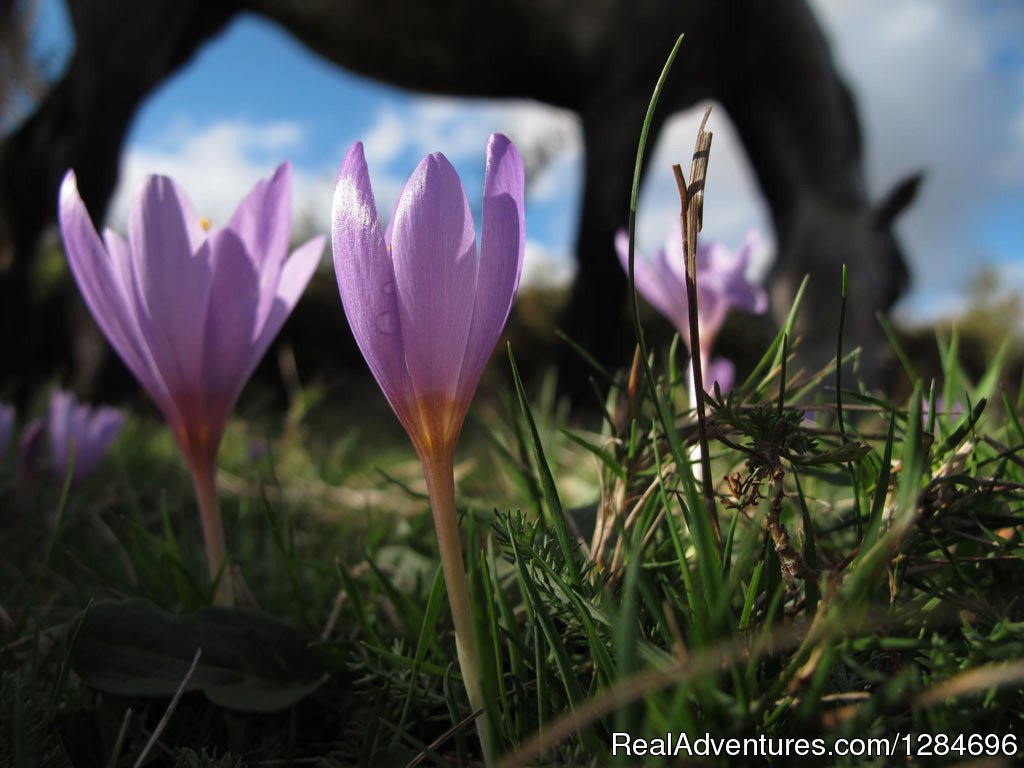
(294, 278)
(502, 243)
(366, 281)
(672, 278)
(299, 270)
(230, 324)
(649, 283)
(752, 297)
(727, 277)
(719, 370)
(6, 426)
(163, 220)
(99, 281)
(142, 364)
(104, 425)
(172, 281)
(78, 428)
(60, 431)
(721, 283)
(713, 289)
(433, 250)
(390, 226)
(263, 221)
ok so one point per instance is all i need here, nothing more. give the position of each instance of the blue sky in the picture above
(940, 87)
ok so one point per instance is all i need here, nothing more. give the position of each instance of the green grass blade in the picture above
(547, 482)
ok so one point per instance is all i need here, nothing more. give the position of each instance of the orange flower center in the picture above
(437, 420)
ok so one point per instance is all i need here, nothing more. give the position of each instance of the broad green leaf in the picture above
(250, 662)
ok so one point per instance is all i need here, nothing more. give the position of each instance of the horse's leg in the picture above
(594, 315)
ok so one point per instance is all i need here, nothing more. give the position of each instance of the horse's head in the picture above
(820, 241)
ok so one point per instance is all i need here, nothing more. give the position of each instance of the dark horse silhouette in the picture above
(767, 63)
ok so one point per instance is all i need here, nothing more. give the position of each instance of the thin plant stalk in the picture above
(204, 480)
(691, 214)
(439, 472)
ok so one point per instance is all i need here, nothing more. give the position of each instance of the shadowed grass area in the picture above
(865, 586)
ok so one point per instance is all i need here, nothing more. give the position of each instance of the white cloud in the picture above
(387, 138)
(545, 268)
(548, 138)
(215, 165)
(459, 127)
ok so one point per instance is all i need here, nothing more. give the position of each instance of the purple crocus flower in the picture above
(82, 431)
(721, 286)
(192, 311)
(426, 312)
(6, 426)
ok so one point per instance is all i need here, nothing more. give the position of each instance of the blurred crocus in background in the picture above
(192, 311)
(426, 312)
(80, 435)
(30, 450)
(6, 426)
(722, 285)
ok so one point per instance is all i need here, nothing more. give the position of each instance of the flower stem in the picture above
(204, 479)
(440, 476)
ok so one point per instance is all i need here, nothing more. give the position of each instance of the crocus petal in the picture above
(163, 220)
(721, 283)
(722, 371)
(234, 297)
(171, 267)
(76, 427)
(99, 280)
(61, 435)
(141, 364)
(263, 222)
(502, 243)
(749, 297)
(104, 425)
(366, 281)
(426, 275)
(433, 250)
(647, 281)
(6, 426)
(712, 289)
(294, 278)
(670, 272)
(724, 285)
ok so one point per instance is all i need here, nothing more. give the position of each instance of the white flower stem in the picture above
(695, 451)
(440, 476)
(204, 479)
